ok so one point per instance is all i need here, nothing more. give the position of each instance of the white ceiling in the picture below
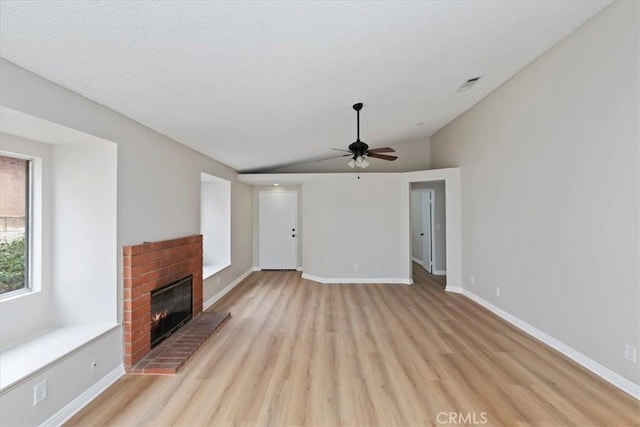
(261, 84)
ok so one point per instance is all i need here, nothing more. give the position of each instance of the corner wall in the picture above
(158, 186)
(550, 190)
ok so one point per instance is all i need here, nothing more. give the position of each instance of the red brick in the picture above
(147, 267)
(137, 335)
(132, 250)
(181, 267)
(143, 311)
(141, 259)
(160, 370)
(142, 345)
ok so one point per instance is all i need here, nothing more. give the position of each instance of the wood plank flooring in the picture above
(300, 353)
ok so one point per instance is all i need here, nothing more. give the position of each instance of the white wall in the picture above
(550, 185)
(64, 378)
(158, 198)
(360, 218)
(84, 255)
(366, 221)
(313, 230)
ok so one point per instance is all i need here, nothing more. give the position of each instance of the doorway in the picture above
(428, 228)
(422, 228)
(278, 233)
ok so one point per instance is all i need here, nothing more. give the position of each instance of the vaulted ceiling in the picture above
(256, 85)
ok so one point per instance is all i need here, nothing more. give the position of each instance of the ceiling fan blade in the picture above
(382, 150)
(333, 157)
(382, 156)
(340, 149)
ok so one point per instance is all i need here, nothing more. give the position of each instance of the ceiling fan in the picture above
(359, 151)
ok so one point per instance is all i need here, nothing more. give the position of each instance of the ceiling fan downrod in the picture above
(357, 107)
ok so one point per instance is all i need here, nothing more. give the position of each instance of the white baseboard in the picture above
(416, 260)
(371, 280)
(208, 303)
(73, 407)
(454, 289)
(439, 272)
(603, 372)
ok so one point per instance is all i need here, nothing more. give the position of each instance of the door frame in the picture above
(296, 219)
(432, 214)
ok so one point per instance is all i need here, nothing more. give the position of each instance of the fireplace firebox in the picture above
(171, 307)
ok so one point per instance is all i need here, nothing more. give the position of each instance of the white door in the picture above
(427, 230)
(278, 235)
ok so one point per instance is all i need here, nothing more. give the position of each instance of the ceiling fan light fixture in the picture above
(361, 162)
(359, 151)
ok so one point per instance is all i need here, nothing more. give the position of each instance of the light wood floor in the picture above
(300, 353)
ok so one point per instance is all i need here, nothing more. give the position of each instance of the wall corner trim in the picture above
(603, 372)
(73, 407)
(454, 289)
(208, 303)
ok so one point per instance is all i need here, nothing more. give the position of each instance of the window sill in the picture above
(24, 360)
(210, 270)
(10, 296)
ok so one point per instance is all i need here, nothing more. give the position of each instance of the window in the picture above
(15, 196)
(215, 223)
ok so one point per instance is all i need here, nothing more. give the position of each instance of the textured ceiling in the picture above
(261, 84)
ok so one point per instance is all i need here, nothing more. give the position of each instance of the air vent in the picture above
(468, 84)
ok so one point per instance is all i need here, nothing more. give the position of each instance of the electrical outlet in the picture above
(630, 353)
(39, 392)
(497, 291)
(355, 267)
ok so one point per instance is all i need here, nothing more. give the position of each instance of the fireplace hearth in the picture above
(171, 308)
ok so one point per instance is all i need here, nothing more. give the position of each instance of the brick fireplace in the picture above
(147, 267)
